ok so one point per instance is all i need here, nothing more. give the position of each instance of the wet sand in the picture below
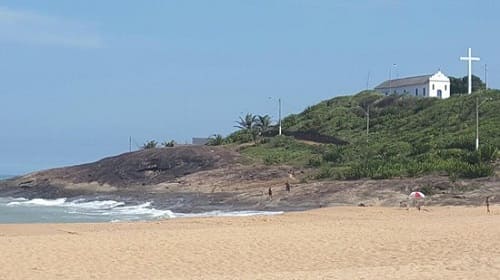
(327, 243)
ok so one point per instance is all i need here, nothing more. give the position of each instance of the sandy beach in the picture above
(327, 243)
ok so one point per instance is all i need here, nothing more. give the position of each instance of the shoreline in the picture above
(98, 210)
(441, 242)
(115, 208)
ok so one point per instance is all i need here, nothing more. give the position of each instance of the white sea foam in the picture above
(39, 202)
(96, 204)
(229, 214)
(144, 209)
(107, 210)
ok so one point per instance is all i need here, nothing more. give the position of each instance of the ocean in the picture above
(88, 210)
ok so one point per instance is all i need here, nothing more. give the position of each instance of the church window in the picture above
(416, 92)
(445, 87)
(423, 91)
(433, 87)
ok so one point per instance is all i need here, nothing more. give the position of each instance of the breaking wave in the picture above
(84, 210)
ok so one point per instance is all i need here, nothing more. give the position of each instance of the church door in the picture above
(439, 93)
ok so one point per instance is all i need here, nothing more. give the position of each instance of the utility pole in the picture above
(279, 115)
(367, 123)
(368, 81)
(130, 144)
(477, 123)
(477, 119)
(486, 76)
(367, 114)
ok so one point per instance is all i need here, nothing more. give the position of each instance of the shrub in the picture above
(356, 171)
(315, 161)
(488, 153)
(477, 170)
(282, 141)
(333, 155)
(170, 143)
(241, 136)
(325, 172)
(341, 173)
(150, 145)
(387, 171)
(452, 153)
(464, 143)
(216, 140)
(466, 170)
(414, 169)
(271, 159)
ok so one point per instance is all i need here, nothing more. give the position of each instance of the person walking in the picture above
(270, 193)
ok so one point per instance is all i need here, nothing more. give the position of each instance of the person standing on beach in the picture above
(287, 186)
(270, 192)
(488, 204)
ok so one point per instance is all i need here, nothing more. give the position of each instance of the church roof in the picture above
(404, 82)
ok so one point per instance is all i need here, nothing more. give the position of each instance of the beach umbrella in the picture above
(416, 195)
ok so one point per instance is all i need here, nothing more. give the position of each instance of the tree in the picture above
(167, 144)
(460, 85)
(216, 140)
(263, 123)
(247, 123)
(150, 145)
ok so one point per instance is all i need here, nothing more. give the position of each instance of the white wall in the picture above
(410, 90)
(437, 82)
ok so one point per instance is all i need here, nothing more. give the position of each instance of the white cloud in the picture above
(33, 28)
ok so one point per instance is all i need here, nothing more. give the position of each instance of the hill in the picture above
(407, 136)
(135, 170)
(328, 157)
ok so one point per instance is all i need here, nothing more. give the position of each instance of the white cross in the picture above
(470, 59)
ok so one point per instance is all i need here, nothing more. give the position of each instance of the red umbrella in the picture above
(417, 195)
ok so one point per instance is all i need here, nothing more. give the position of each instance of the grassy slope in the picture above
(408, 136)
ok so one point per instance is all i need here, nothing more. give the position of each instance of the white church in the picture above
(436, 85)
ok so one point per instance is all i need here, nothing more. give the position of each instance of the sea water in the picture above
(64, 210)
(68, 210)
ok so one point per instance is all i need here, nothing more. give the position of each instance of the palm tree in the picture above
(263, 123)
(167, 144)
(216, 140)
(150, 145)
(247, 123)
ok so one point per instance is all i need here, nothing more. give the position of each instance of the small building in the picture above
(436, 85)
(200, 141)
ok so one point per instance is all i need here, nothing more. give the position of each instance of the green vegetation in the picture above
(251, 127)
(460, 85)
(407, 137)
(281, 150)
(167, 144)
(216, 140)
(150, 145)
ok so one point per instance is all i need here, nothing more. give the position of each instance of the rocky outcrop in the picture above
(203, 178)
(140, 168)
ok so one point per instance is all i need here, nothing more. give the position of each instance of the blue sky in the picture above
(77, 78)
